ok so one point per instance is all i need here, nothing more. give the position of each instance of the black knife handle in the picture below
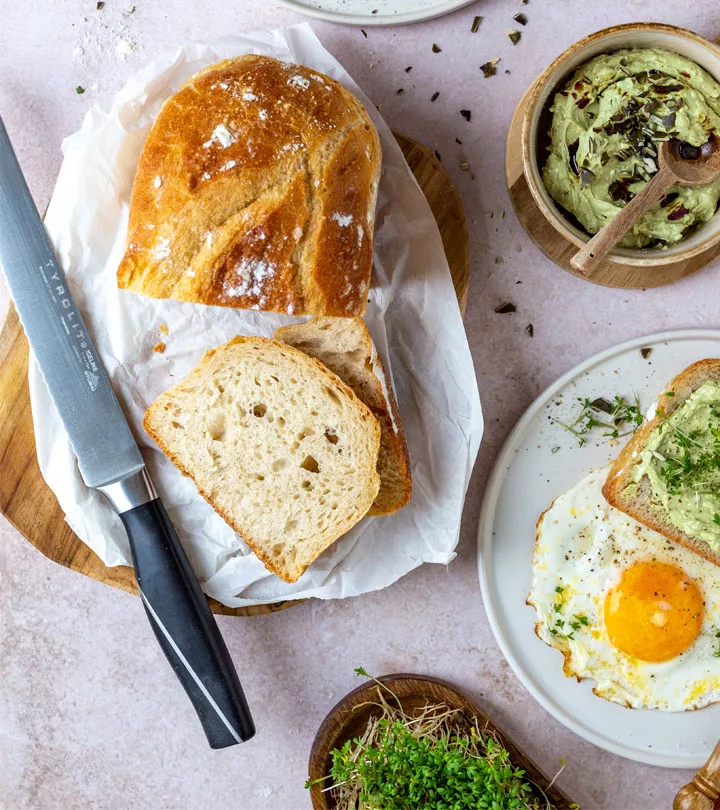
(185, 627)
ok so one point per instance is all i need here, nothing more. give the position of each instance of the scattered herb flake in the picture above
(408, 69)
(436, 48)
(100, 5)
(646, 352)
(434, 96)
(717, 639)
(489, 69)
(678, 213)
(457, 140)
(399, 91)
(514, 36)
(466, 114)
(669, 393)
(79, 90)
(475, 25)
(506, 309)
(464, 165)
(363, 32)
(531, 331)
(520, 18)
(716, 519)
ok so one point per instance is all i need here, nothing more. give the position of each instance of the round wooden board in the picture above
(29, 504)
(350, 716)
(614, 271)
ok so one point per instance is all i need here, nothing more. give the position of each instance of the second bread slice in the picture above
(280, 446)
(344, 345)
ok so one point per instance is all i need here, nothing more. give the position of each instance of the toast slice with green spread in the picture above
(668, 475)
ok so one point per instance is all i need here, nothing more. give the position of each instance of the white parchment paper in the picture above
(412, 315)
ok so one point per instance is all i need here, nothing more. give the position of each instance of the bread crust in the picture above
(256, 188)
(252, 542)
(621, 473)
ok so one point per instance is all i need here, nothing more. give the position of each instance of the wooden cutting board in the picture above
(26, 500)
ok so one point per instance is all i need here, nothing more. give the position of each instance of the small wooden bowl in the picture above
(669, 263)
(350, 716)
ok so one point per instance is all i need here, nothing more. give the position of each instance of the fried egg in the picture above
(628, 608)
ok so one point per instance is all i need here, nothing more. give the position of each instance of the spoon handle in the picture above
(704, 790)
(588, 259)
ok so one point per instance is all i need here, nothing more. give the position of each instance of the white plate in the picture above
(526, 479)
(389, 12)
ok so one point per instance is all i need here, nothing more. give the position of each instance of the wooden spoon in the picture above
(679, 164)
(704, 790)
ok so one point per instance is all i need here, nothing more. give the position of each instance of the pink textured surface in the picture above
(89, 713)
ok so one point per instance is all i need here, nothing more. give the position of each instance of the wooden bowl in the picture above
(536, 125)
(350, 716)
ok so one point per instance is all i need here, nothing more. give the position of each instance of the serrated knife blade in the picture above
(110, 461)
(68, 360)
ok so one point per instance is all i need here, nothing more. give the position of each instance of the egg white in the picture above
(582, 545)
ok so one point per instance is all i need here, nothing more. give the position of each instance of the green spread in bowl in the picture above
(607, 124)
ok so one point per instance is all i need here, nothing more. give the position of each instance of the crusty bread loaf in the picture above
(256, 188)
(639, 503)
(280, 446)
(344, 345)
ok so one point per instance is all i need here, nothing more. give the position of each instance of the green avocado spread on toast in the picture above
(681, 459)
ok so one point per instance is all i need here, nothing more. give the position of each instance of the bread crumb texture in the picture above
(278, 444)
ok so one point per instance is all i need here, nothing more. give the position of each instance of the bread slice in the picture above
(638, 503)
(344, 345)
(256, 188)
(276, 443)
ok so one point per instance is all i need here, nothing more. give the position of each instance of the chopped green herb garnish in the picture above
(436, 48)
(475, 25)
(434, 96)
(716, 519)
(530, 330)
(506, 309)
(616, 415)
(466, 114)
(79, 90)
(520, 18)
(717, 641)
(689, 465)
(669, 393)
(514, 36)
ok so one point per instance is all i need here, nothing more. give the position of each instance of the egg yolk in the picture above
(654, 613)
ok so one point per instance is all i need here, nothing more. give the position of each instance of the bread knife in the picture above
(109, 461)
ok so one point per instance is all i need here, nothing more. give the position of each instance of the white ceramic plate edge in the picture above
(485, 537)
(376, 19)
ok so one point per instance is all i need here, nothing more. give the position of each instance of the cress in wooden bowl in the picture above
(413, 694)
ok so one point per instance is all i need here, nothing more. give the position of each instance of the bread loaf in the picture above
(256, 188)
(345, 347)
(276, 443)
